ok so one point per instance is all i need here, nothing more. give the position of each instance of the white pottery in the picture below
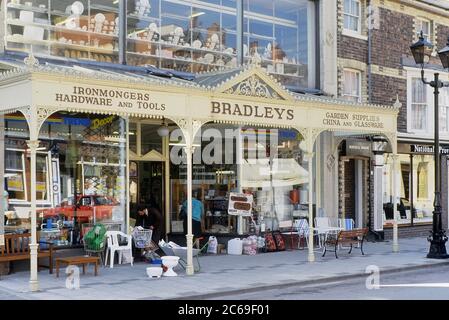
(170, 262)
(154, 272)
(77, 8)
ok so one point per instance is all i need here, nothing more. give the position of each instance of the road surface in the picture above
(427, 283)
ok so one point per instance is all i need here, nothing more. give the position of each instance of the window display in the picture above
(269, 169)
(80, 176)
(183, 35)
(416, 188)
(72, 29)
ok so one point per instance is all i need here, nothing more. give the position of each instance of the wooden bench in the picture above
(17, 248)
(349, 238)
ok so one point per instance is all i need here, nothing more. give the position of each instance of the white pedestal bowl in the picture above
(170, 262)
(154, 272)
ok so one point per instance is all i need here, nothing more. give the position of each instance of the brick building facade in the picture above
(374, 65)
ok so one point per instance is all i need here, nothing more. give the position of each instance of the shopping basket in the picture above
(142, 238)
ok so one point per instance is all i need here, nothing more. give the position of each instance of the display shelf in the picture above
(28, 41)
(286, 75)
(269, 61)
(50, 43)
(26, 8)
(104, 8)
(60, 13)
(17, 22)
(143, 18)
(182, 48)
(78, 47)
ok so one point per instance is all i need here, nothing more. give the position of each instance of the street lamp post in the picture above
(422, 51)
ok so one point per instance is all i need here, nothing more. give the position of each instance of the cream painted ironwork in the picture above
(239, 100)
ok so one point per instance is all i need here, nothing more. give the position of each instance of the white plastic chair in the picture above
(324, 227)
(114, 245)
(346, 224)
(303, 229)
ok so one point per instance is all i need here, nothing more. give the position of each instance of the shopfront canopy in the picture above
(278, 173)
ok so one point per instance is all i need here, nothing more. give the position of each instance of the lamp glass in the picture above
(163, 131)
(421, 49)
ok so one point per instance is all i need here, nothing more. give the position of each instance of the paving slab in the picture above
(224, 274)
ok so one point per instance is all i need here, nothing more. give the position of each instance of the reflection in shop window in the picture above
(15, 175)
(422, 181)
(270, 166)
(80, 174)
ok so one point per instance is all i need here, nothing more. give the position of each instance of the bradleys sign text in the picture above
(246, 110)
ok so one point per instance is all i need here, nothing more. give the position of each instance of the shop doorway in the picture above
(146, 183)
(354, 189)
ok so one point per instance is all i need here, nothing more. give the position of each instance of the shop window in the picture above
(352, 15)
(80, 176)
(42, 177)
(15, 175)
(418, 105)
(351, 85)
(265, 163)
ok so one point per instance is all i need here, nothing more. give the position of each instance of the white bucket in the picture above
(235, 246)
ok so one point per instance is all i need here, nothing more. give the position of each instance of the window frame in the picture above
(351, 15)
(428, 36)
(359, 74)
(416, 73)
(425, 103)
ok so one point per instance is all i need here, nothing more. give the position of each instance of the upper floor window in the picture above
(444, 110)
(424, 26)
(351, 85)
(183, 35)
(418, 105)
(352, 14)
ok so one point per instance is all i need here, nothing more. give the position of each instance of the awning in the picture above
(283, 172)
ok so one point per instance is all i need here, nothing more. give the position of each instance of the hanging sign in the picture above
(240, 204)
(358, 148)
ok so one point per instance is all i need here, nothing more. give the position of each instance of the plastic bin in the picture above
(235, 246)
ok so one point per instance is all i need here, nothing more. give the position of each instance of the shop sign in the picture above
(240, 204)
(288, 134)
(98, 123)
(251, 111)
(109, 97)
(417, 148)
(358, 148)
(114, 99)
(352, 120)
(77, 121)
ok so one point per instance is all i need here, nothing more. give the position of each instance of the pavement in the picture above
(225, 274)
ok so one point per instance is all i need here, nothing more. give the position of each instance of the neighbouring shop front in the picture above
(416, 188)
(106, 141)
